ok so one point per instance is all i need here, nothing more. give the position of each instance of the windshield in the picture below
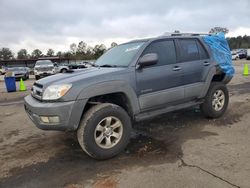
(44, 62)
(16, 69)
(120, 55)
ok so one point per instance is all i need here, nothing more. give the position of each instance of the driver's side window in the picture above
(165, 50)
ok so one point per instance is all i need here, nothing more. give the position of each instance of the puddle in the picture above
(143, 145)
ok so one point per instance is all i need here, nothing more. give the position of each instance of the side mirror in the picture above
(147, 60)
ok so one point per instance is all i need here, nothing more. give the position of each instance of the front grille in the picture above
(43, 69)
(38, 85)
(37, 91)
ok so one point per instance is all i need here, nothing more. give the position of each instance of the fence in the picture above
(31, 62)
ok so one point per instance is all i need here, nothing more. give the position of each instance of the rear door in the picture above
(160, 84)
(194, 61)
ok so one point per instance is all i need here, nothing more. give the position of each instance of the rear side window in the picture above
(202, 51)
(188, 50)
(165, 50)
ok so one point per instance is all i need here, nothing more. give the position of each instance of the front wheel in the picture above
(216, 100)
(104, 131)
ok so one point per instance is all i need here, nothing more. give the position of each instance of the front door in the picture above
(160, 84)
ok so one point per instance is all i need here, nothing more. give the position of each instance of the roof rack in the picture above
(185, 34)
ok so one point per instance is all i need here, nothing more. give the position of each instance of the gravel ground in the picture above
(179, 149)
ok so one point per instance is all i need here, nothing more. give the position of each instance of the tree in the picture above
(81, 49)
(22, 54)
(59, 54)
(36, 53)
(6, 54)
(113, 44)
(99, 50)
(89, 53)
(239, 42)
(219, 29)
(50, 52)
(73, 48)
(67, 54)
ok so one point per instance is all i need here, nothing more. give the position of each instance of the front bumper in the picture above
(44, 74)
(69, 113)
(19, 76)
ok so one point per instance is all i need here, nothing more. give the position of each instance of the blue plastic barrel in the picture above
(10, 83)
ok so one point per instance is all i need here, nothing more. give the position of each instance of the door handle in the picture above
(176, 68)
(206, 63)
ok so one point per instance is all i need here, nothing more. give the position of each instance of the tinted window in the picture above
(164, 49)
(16, 69)
(44, 62)
(202, 51)
(188, 50)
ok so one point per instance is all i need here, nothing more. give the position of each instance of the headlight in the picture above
(54, 92)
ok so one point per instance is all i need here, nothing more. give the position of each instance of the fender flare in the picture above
(110, 87)
(208, 81)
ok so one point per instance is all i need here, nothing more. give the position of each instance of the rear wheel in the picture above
(37, 77)
(104, 131)
(63, 70)
(216, 100)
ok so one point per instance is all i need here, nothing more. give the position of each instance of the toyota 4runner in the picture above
(43, 68)
(131, 82)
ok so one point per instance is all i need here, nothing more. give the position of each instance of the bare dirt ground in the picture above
(179, 149)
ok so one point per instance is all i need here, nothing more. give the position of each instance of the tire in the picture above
(97, 117)
(37, 77)
(63, 70)
(25, 77)
(216, 100)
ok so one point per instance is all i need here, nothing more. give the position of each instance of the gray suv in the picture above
(131, 82)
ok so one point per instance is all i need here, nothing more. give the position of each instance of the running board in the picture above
(151, 114)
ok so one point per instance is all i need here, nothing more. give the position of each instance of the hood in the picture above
(82, 75)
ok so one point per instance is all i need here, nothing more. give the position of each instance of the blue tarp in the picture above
(221, 52)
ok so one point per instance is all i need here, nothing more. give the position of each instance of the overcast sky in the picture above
(56, 24)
